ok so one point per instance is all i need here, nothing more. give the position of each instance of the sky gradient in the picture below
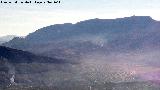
(21, 19)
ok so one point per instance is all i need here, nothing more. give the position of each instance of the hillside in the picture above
(104, 35)
(109, 54)
(16, 64)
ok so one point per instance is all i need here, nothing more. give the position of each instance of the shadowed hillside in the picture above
(17, 66)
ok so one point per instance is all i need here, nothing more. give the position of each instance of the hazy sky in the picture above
(21, 19)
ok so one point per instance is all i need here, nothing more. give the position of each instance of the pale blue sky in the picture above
(21, 19)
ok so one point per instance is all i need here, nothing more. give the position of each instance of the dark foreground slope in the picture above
(19, 56)
(20, 67)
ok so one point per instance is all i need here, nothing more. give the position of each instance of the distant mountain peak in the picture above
(7, 38)
(143, 18)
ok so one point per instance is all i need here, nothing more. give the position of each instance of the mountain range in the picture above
(6, 38)
(107, 35)
(103, 54)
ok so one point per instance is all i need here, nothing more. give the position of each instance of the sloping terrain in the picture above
(20, 67)
(104, 35)
(103, 54)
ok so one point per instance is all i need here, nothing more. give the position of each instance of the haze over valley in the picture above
(94, 54)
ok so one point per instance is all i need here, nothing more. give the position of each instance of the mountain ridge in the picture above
(121, 34)
(112, 54)
(19, 56)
